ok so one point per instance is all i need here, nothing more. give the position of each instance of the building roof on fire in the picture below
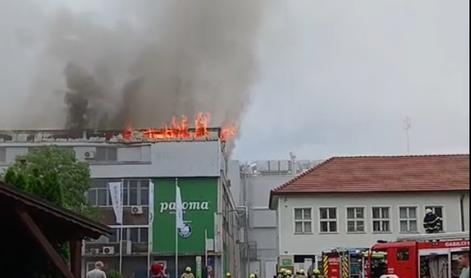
(412, 173)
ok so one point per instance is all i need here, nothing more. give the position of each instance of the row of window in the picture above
(135, 192)
(356, 220)
(101, 154)
(135, 234)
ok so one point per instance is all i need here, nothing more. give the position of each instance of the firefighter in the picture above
(187, 273)
(228, 275)
(301, 274)
(252, 275)
(432, 222)
(288, 273)
(316, 273)
(280, 273)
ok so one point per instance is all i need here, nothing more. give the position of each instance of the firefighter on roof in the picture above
(432, 223)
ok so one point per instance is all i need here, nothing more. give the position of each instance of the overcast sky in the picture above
(335, 77)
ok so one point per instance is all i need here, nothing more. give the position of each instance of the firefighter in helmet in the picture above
(301, 274)
(252, 275)
(288, 273)
(280, 273)
(228, 275)
(432, 222)
(187, 273)
(316, 273)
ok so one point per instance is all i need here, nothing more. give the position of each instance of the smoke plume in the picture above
(146, 62)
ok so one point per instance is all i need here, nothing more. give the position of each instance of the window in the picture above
(106, 154)
(381, 221)
(135, 192)
(408, 219)
(137, 235)
(438, 210)
(402, 254)
(302, 220)
(328, 220)
(3, 154)
(355, 220)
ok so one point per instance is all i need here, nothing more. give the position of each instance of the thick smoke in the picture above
(149, 61)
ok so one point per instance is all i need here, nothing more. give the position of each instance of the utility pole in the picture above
(407, 127)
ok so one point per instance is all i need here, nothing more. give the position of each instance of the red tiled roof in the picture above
(382, 174)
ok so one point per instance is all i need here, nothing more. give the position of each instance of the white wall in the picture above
(314, 243)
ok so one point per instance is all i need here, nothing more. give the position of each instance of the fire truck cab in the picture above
(421, 256)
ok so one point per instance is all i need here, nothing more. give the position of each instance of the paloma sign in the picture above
(191, 205)
(199, 200)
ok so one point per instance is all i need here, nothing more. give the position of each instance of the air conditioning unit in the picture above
(95, 251)
(136, 210)
(89, 155)
(108, 250)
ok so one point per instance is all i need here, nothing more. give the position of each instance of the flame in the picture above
(178, 129)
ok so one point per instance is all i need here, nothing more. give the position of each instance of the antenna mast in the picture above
(407, 127)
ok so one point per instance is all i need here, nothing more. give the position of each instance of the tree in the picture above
(52, 173)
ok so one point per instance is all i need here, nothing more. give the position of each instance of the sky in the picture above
(333, 77)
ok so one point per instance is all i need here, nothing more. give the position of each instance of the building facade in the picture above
(149, 172)
(257, 180)
(352, 202)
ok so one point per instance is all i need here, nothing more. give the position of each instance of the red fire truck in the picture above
(420, 256)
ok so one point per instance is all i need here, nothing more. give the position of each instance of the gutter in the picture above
(462, 212)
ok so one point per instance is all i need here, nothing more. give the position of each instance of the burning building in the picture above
(148, 164)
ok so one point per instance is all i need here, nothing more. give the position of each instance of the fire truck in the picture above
(344, 262)
(419, 256)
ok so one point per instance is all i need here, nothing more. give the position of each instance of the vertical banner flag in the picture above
(184, 230)
(116, 200)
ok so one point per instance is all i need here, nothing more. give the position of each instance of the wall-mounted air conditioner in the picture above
(108, 250)
(136, 210)
(89, 155)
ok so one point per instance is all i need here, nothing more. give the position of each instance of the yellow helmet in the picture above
(301, 271)
(288, 272)
(283, 270)
(188, 269)
(316, 271)
(252, 275)
(228, 274)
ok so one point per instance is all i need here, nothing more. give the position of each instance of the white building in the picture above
(199, 165)
(354, 201)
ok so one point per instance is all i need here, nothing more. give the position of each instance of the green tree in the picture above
(54, 174)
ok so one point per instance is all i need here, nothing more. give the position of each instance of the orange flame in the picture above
(179, 129)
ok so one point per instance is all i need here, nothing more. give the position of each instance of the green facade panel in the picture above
(199, 198)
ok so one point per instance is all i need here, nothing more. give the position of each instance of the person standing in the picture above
(98, 271)
(432, 222)
(464, 262)
(187, 273)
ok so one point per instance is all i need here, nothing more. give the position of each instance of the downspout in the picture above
(462, 212)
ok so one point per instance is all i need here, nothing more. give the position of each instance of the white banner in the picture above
(179, 209)
(116, 200)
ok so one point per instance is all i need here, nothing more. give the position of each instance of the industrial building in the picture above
(351, 202)
(258, 178)
(149, 166)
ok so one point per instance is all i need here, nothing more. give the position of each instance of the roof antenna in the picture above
(407, 127)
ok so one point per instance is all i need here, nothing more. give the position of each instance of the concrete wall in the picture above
(291, 243)
(164, 159)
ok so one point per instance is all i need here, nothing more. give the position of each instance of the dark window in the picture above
(133, 193)
(402, 254)
(114, 237)
(106, 154)
(3, 155)
(133, 234)
(144, 234)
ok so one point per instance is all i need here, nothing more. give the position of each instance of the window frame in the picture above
(356, 219)
(143, 185)
(408, 219)
(3, 154)
(328, 220)
(303, 221)
(433, 206)
(389, 219)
